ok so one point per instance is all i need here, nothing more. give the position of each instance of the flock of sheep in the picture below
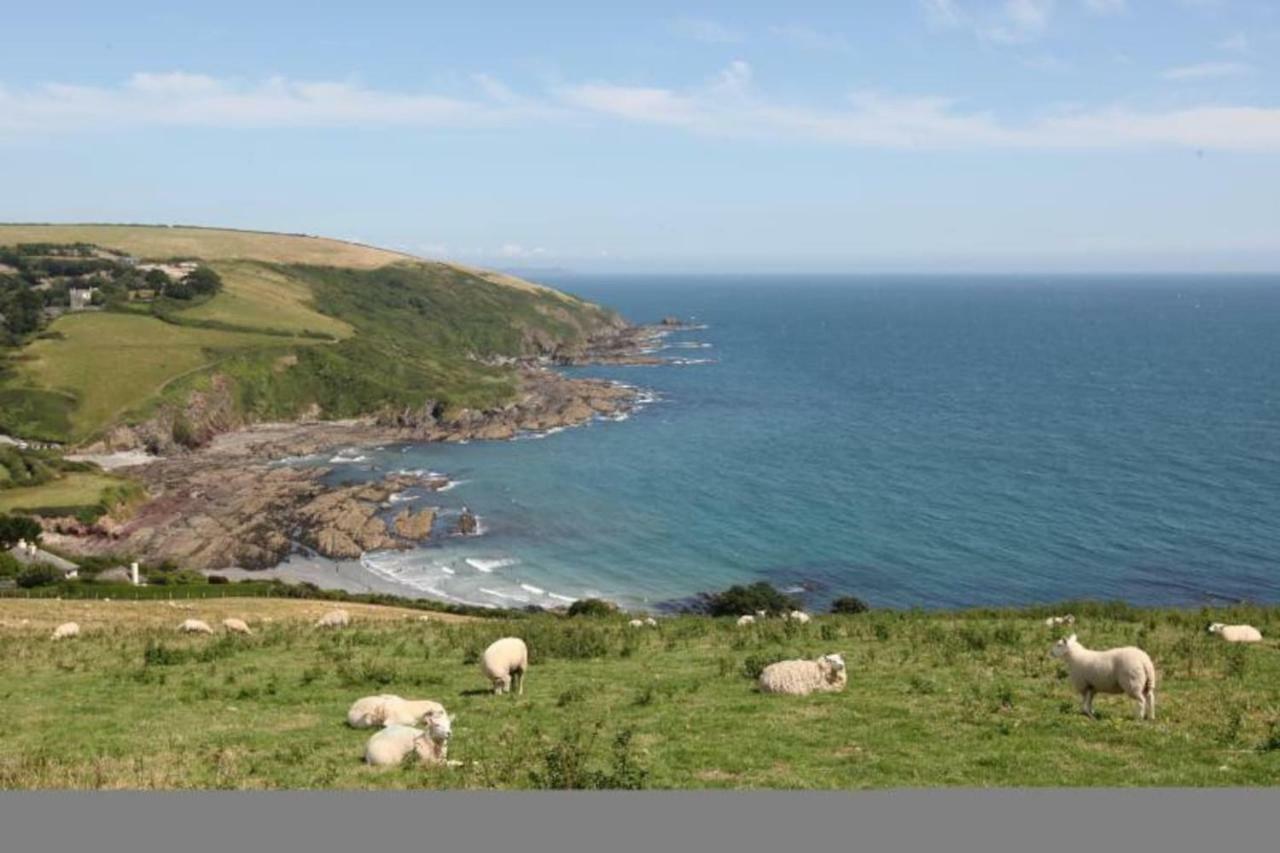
(423, 727)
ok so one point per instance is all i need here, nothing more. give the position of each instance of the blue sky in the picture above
(1002, 135)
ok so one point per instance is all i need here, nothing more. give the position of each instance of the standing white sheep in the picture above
(1236, 633)
(334, 619)
(746, 620)
(390, 746)
(195, 626)
(505, 662)
(797, 616)
(651, 622)
(65, 631)
(236, 626)
(827, 674)
(1126, 670)
(636, 623)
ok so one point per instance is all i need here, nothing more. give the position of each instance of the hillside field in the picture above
(934, 699)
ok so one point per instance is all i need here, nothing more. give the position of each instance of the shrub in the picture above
(218, 579)
(592, 607)
(15, 527)
(9, 565)
(738, 600)
(39, 574)
(566, 763)
(754, 665)
(849, 604)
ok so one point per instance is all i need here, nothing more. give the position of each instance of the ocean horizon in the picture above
(917, 441)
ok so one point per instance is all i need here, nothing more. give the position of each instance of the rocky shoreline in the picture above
(227, 504)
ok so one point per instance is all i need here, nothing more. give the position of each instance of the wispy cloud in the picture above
(727, 104)
(705, 30)
(1235, 43)
(1005, 22)
(808, 38)
(1205, 71)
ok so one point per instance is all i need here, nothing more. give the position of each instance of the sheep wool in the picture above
(798, 616)
(1054, 621)
(504, 664)
(65, 631)
(334, 619)
(636, 623)
(236, 626)
(370, 712)
(1236, 633)
(410, 712)
(746, 620)
(827, 674)
(195, 626)
(651, 622)
(393, 744)
(1126, 670)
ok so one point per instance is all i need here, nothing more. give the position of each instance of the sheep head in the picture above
(832, 667)
(1061, 646)
(1216, 628)
(439, 726)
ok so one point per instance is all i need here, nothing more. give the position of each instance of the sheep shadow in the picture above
(478, 691)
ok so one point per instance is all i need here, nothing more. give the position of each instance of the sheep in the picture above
(65, 631)
(407, 712)
(1055, 621)
(505, 662)
(393, 744)
(195, 626)
(370, 711)
(797, 616)
(827, 674)
(1236, 633)
(746, 620)
(236, 626)
(334, 619)
(760, 614)
(636, 623)
(651, 622)
(1126, 670)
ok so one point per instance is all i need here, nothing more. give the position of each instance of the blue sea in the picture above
(915, 441)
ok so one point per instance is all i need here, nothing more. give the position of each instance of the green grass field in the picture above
(933, 700)
(78, 489)
(111, 364)
(260, 296)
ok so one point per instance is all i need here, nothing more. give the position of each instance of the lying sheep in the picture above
(410, 712)
(505, 662)
(1055, 621)
(65, 631)
(393, 744)
(334, 619)
(1236, 633)
(651, 622)
(827, 674)
(746, 620)
(236, 626)
(797, 616)
(636, 623)
(1126, 670)
(195, 626)
(370, 711)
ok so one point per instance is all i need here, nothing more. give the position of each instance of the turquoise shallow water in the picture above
(915, 441)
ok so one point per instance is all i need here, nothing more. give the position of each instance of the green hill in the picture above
(300, 325)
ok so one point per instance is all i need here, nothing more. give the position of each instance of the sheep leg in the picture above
(1151, 704)
(1086, 703)
(519, 680)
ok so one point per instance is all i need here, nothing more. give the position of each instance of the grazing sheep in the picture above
(746, 620)
(636, 623)
(651, 622)
(195, 626)
(236, 626)
(370, 711)
(1236, 633)
(1055, 621)
(760, 614)
(393, 744)
(797, 616)
(334, 619)
(1126, 670)
(505, 662)
(827, 674)
(65, 631)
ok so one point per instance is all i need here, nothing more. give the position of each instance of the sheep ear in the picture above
(1071, 639)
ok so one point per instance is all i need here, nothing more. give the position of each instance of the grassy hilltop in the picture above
(301, 325)
(934, 699)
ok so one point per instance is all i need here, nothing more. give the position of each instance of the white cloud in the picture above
(515, 250)
(727, 104)
(1016, 21)
(1206, 71)
(808, 38)
(1235, 43)
(705, 30)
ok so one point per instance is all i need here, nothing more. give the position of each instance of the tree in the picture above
(741, 600)
(203, 281)
(157, 279)
(178, 290)
(39, 574)
(849, 604)
(15, 527)
(592, 607)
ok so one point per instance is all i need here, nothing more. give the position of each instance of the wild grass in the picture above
(77, 489)
(966, 699)
(256, 295)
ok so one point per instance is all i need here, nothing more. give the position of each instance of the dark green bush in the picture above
(849, 604)
(39, 574)
(739, 600)
(592, 607)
